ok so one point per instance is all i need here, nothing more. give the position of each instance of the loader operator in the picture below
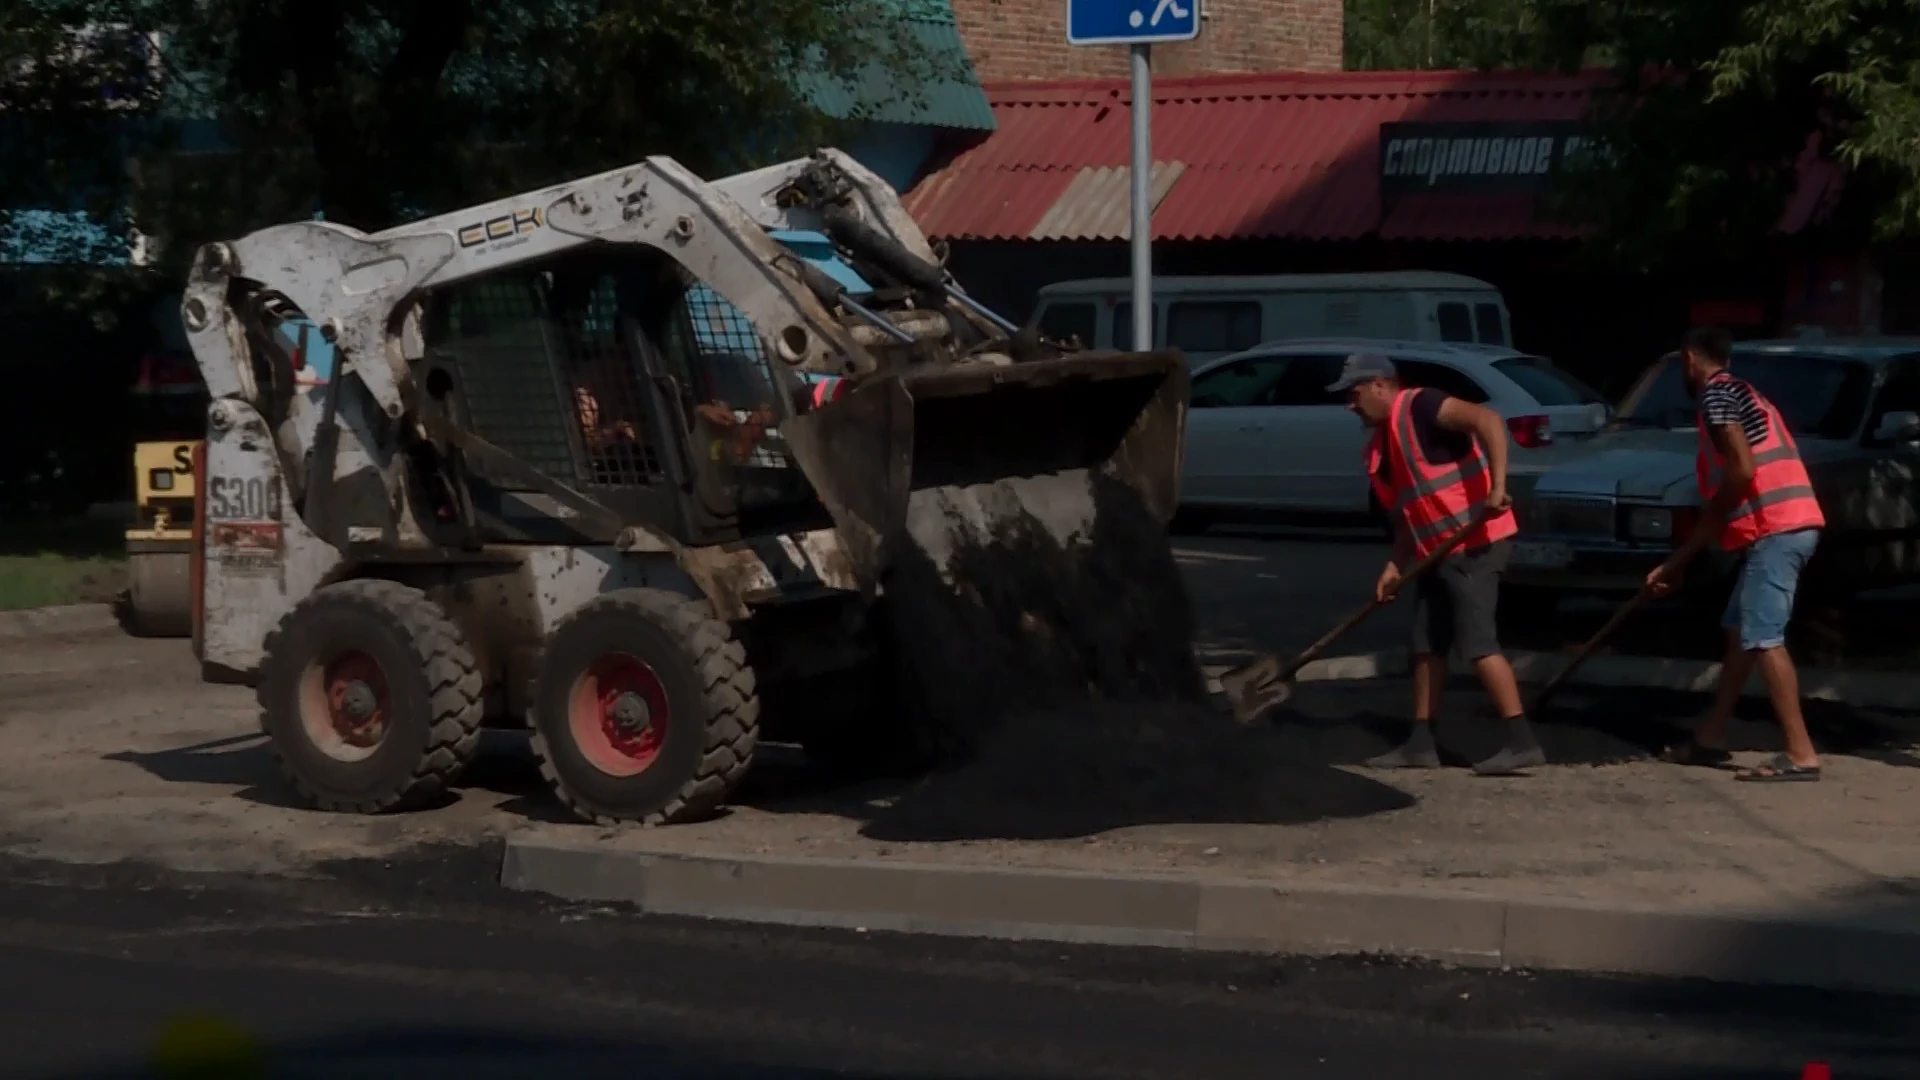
(1759, 502)
(606, 396)
(1433, 461)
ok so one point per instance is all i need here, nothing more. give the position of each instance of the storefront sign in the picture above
(1519, 156)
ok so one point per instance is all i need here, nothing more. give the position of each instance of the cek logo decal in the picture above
(505, 227)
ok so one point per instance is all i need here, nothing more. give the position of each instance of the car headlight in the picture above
(160, 479)
(1650, 523)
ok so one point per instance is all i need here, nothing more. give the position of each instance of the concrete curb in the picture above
(72, 619)
(1873, 689)
(1227, 915)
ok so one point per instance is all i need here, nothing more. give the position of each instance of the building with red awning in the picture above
(1293, 172)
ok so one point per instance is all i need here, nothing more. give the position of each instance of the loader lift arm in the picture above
(918, 335)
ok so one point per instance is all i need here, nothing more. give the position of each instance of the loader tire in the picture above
(372, 697)
(644, 710)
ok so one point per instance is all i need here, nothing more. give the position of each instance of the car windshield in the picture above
(1820, 396)
(1548, 384)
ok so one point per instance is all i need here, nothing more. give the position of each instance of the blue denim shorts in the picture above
(1762, 600)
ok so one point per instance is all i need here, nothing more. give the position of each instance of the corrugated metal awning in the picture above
(1097, 204)
(1283, 155)
(1267, 156)
(950, 98)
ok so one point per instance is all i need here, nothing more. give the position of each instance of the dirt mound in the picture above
(1049, 644)
(1088, 768)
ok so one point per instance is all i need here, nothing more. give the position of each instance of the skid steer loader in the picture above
(608, 459)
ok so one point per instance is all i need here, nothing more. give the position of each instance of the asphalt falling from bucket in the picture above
(1037, 594)
(1048, 641)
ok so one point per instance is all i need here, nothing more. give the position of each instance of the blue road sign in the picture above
(1131, 22)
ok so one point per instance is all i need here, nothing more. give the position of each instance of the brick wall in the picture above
(1027, 39)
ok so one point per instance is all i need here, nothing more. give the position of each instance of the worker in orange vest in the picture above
(1759, 502)
(818, 390)
(1434, 461)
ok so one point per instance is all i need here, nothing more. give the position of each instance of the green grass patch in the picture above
(70, 561)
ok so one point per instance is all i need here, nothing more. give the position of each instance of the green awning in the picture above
(952, 98)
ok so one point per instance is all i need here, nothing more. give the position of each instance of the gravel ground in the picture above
(110, 748)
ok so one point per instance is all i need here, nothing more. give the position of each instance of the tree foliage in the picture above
(372, 111)
(1854, 65)
(1713, 105)
(1422, 35)
(174, 122)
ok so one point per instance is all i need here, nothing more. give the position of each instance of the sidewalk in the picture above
(1612, 838)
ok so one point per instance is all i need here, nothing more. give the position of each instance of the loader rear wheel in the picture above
(644, 710)
(372, 697)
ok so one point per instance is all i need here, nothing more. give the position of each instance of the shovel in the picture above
(1267, 681)
(1580, 655)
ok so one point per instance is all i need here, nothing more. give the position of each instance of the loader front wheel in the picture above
(372, 697)
(644, 710)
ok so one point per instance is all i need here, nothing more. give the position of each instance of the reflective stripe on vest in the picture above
(1432, 501)
(1781, 498)
(825, 390)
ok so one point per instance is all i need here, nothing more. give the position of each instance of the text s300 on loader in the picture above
(575, 463)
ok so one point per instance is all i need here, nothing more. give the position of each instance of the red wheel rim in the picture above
(617, 713)
(344, 705)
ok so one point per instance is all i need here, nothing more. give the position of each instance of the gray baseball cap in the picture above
(1359, 368)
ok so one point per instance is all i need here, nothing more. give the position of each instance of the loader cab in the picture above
(614, 372)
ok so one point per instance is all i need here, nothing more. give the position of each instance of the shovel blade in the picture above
(1254, 688)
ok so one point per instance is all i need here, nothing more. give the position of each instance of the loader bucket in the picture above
(884, 456)
(1013, 522)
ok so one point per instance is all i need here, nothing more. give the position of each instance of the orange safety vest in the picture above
(1433, 501)
(1781, 499)
(826, 389)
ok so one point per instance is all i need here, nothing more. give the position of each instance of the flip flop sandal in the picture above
(1692, 754)
(1779, 770)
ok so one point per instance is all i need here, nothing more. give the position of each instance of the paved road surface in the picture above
(423, 967)
(1265, 587)
(1279, 587)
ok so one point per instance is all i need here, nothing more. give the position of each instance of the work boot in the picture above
(1418, 752)
(1522, 751)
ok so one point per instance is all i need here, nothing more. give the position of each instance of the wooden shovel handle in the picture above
(1580, 655)
(1420, 566)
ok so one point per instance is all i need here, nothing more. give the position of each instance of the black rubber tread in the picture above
(455, 690)
(731, 701)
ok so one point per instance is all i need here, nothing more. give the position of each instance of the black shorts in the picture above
(1454, 604)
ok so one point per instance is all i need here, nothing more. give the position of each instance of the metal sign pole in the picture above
(1141, 173)
(1137, 24)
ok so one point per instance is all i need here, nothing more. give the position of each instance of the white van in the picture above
(1209, 317)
